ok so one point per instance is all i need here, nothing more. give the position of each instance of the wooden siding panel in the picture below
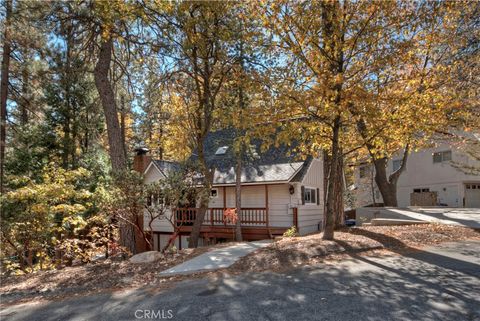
(158, 224)
(153, 175)
(279, 206)
(217, 201)
(314, 175)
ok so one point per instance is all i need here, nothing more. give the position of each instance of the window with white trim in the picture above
(214, 193)
(440, 157)
(310, 195)
(221, 150)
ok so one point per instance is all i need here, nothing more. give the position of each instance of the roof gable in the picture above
(276, 163)
(162, 167)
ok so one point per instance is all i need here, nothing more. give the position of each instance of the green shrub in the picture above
(291, 232)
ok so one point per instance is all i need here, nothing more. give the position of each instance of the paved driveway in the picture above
(441, 283)
(469, 217)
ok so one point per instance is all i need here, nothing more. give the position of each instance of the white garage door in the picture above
(472, 195)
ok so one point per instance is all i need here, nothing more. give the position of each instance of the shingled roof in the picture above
(277, 163)
(165, 167)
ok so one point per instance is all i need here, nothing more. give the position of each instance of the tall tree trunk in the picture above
(107, 97)
(74, 135)
(24, 106)
(329, 222)
(238, 196)
(339, 190)
(372, 187)
(115, 142)
(123, 126)
(386, 184)
(4, 89)
(339, 216)
(68, 99)
(240, 150)
(66, 138)
(205, 198)
(333, 45)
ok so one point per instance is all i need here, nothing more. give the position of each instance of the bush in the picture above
(45, 222)
(291, 232)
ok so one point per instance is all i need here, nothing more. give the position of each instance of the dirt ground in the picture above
(281, 255)
(99, 276)
(371, 240)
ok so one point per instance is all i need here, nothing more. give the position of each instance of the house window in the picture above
(421, 190)
(363, 170)
(310, 195)
(214, 192)
(221, 150)
(440, 157)
(397, 163)
(160, 200)
(155, 200)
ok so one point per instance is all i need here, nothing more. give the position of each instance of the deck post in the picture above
(224, 203)
(266, 210)
(224, 198)
(295, 218)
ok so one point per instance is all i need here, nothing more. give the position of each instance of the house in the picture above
(436, 173)
(279, 191)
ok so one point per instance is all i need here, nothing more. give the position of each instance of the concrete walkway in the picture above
(216, 259)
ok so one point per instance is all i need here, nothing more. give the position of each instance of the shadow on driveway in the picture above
(415, 285)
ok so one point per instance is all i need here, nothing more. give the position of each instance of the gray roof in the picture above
(258, 174)
(166, 166)
(276, 163)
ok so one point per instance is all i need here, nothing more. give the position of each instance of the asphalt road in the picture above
(441, 283)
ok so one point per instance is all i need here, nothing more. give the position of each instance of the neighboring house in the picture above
(278, 191)
(435, 171)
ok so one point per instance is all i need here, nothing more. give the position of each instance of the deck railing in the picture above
(250, 216)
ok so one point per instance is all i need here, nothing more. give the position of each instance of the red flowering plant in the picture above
(230, 216)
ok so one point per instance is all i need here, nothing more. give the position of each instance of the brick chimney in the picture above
(141, 159)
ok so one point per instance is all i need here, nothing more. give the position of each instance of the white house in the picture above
(429, 170)
(278, 191)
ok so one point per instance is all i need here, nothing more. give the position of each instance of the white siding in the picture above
(422, 172)
(160, 224)
(280, 213)
(252, 196)
(314, 176)
(280, 202)
(152, 174)
(217, 201)
(310, 215)
(164, 240)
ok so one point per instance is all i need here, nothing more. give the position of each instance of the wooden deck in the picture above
(254, 223)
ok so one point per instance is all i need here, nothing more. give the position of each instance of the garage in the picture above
(472, 195)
